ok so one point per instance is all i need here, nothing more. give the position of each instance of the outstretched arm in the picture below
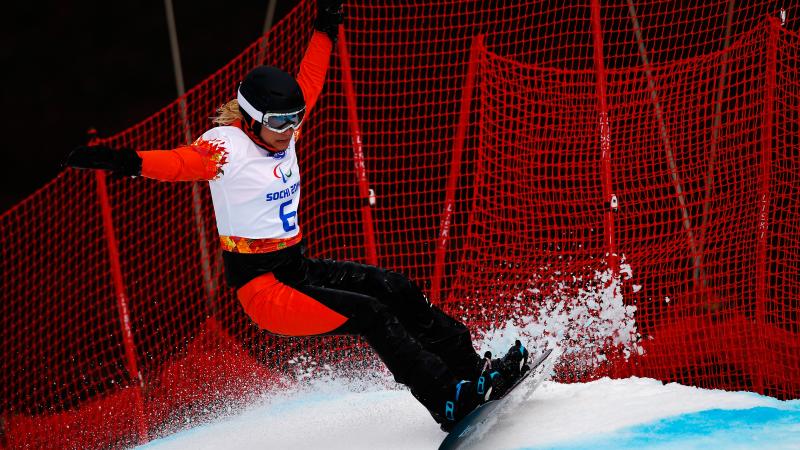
(202, 160)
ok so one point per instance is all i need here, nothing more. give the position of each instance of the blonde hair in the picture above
(228, 113)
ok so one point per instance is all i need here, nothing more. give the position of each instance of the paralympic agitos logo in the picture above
(279, 173)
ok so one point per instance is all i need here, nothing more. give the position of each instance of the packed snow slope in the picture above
(603, 414)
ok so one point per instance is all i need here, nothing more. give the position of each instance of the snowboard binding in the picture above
(503, 372)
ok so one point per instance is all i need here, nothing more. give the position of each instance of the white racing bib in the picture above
(257, 194)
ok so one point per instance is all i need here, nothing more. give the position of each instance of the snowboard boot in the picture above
(516, 359)
(462, 399)
(485, 382)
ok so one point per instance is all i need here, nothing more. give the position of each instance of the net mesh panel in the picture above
(703, 119)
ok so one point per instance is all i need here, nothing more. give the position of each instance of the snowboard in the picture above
(479, 421)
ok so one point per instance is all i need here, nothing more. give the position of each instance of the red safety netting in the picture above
(622, 175)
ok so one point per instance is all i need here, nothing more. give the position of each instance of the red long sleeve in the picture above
(314, 67)
(202, 160)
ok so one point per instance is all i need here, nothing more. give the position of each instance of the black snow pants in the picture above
(424, 348)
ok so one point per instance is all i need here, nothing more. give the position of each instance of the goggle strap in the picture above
(248, 108)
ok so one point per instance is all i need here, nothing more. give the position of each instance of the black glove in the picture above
(329, 17)
(124, 161)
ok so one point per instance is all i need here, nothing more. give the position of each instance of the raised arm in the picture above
(314, 67)
(315, 62)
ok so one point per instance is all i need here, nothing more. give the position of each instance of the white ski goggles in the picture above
(280, 122)
(277, 122)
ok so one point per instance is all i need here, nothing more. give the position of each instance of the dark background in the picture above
(71, 66)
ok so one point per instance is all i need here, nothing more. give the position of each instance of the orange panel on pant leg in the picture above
(283, 310)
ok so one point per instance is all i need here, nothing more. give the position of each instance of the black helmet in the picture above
(267, 89)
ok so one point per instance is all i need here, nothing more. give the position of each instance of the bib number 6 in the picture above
(289, 218)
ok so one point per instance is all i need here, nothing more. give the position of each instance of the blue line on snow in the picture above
(761, 427)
